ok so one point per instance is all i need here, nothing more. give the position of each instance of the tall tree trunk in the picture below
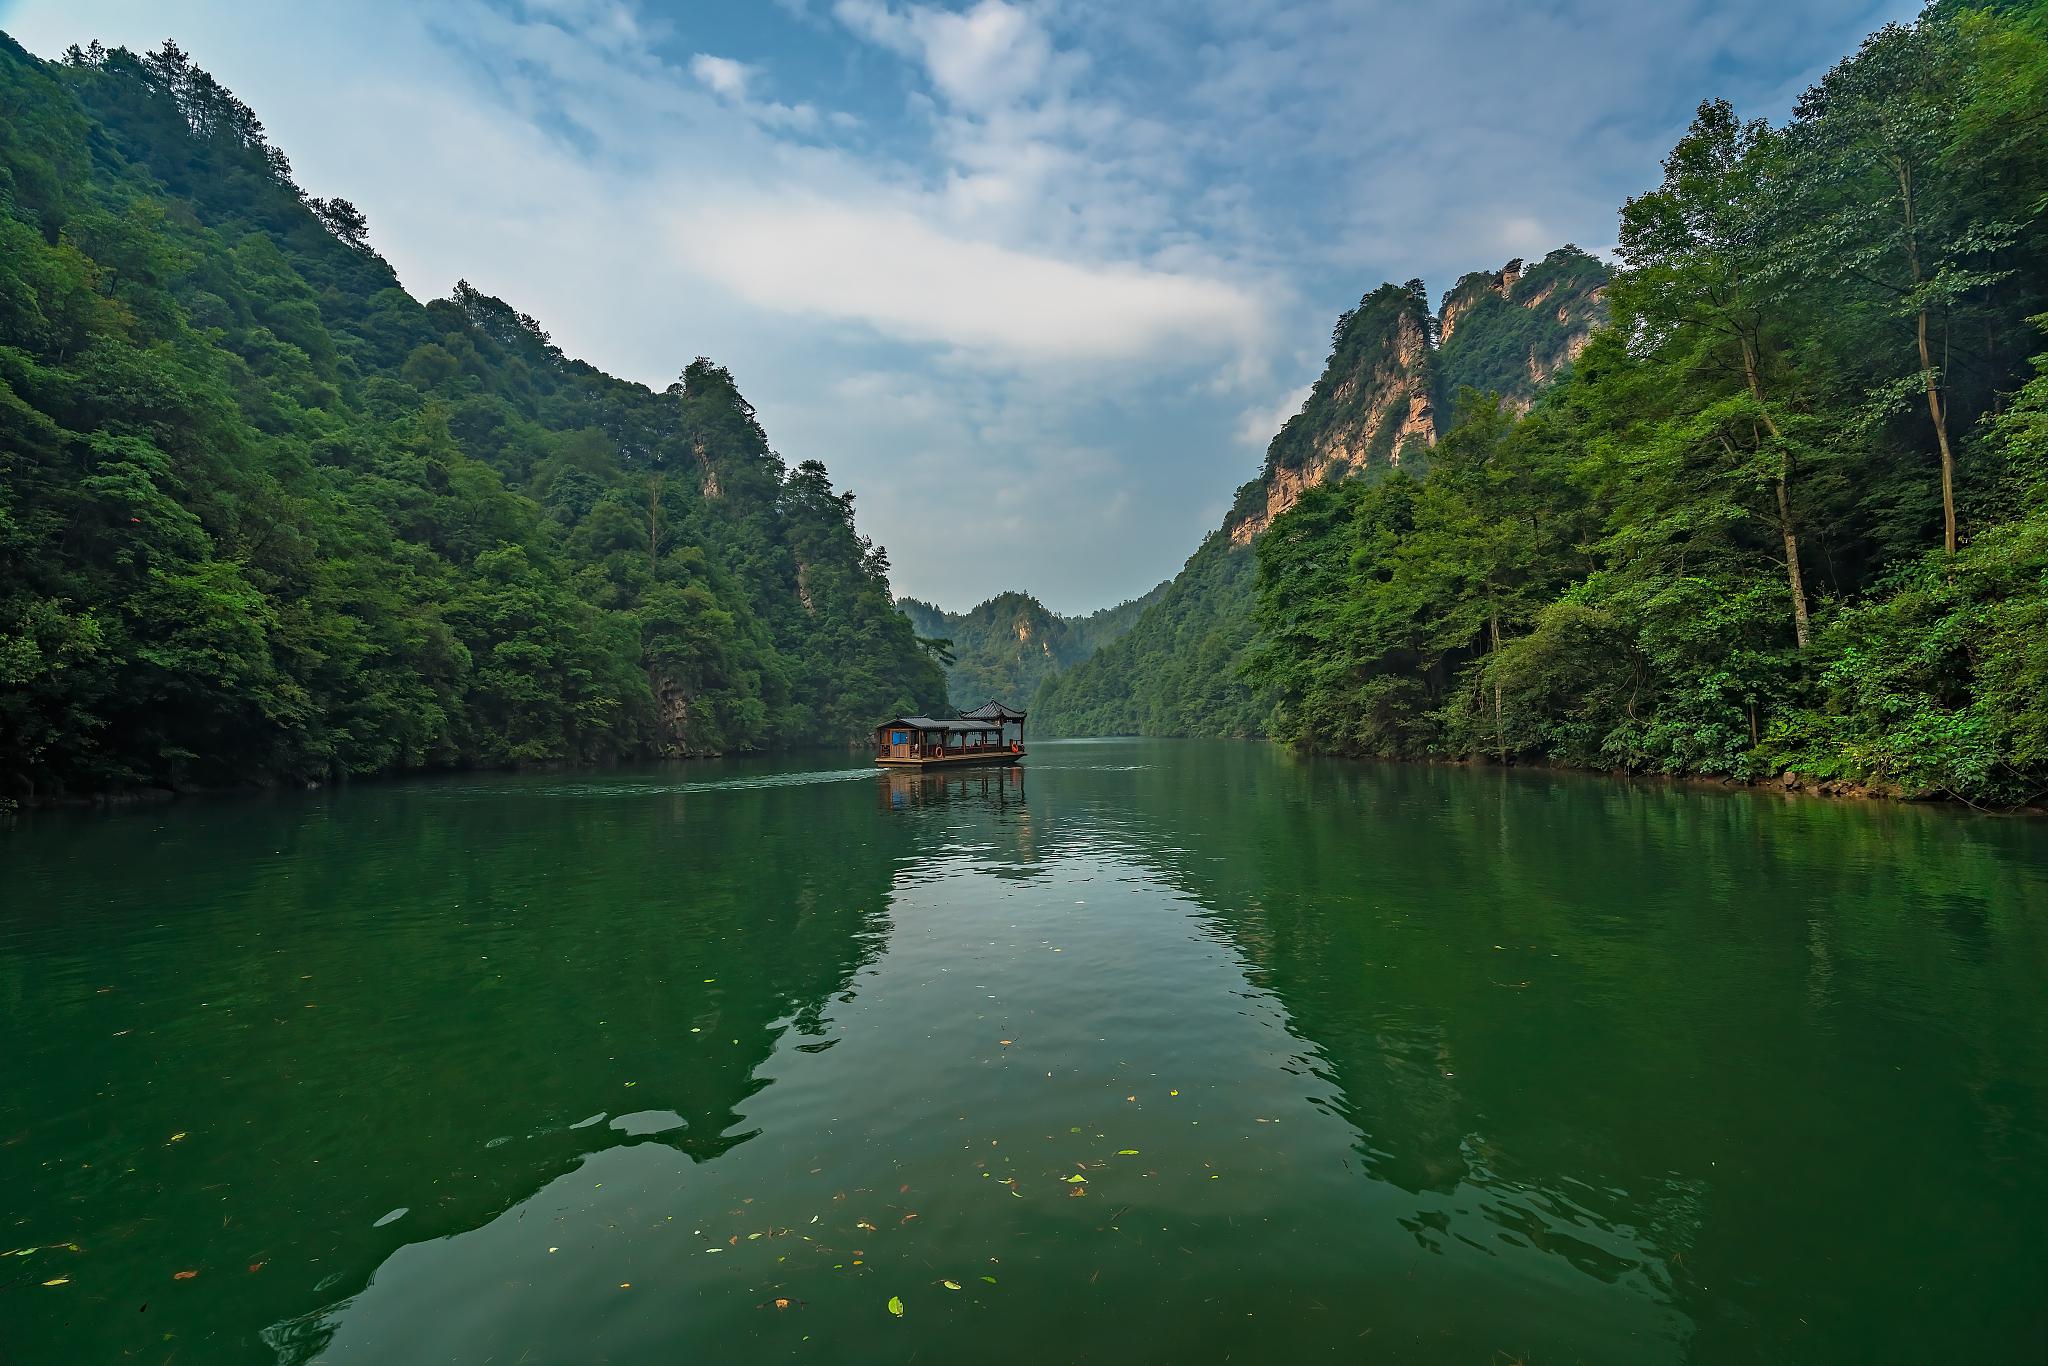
(1799, 618)
(653, 523)
(1936, 409)
(1785, 528)
(1500, 735)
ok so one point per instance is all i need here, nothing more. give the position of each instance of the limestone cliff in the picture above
(1395, 373)
(1375, 403)
(1511, 331)
(1391, 386)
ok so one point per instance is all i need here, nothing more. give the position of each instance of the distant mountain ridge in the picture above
(1006, 647)
(1390, 389)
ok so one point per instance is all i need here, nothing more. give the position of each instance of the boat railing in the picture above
(940, 751)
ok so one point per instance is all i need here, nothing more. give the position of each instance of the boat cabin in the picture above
(927, 741)
(1004, 717)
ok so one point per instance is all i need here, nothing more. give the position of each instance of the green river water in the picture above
(1150, 1051)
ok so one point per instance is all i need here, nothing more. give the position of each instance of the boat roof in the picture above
(933, 723)
(993, 710)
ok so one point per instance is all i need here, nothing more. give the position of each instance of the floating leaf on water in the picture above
(58, 1280)
(896, 1305)
(175, 1137)
(1077, 1180)
(1126, 1152)
(183, 1275)
(950, 1285)
(990, 1279)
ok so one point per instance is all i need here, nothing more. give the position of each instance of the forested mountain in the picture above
(1394, 376)
(1789, 514)
(265, 517)
(1006, 647)
(1177, 671)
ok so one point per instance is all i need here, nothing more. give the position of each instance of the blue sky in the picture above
(1087, 254)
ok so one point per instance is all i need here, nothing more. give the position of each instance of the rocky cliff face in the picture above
(1375, 402)
(1391, 387)
(1471, 291)
(1395, 373)
(1510, 332)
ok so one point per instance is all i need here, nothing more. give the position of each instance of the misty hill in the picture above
(1006, 647)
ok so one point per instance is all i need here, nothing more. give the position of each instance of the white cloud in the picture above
(978, 59)
(912, 280)
(733, 82)
(991, 55)
(722, 75)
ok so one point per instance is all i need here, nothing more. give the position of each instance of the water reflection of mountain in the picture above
(436, 996)
(1538, 1000)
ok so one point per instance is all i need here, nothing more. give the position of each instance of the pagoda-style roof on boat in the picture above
(993, 710)
(957, 724)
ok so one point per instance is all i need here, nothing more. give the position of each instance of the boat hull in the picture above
(951, 760)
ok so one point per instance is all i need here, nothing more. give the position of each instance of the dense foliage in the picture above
(1003, 649)
(264, 516)
(1495, 334)
(1790, 513)
(1178, 670)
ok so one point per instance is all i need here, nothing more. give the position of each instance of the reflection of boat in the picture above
(901, 788)
(981, 736)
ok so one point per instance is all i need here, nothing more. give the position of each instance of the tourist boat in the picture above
(981, 736)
